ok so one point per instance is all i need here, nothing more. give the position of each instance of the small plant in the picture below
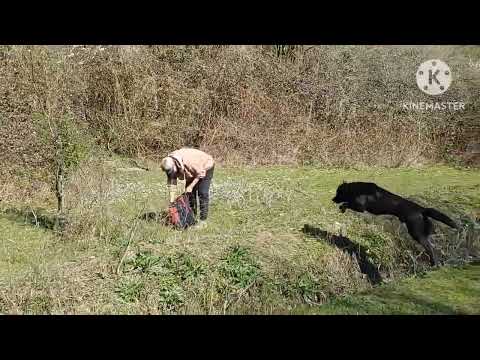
(167, 273)
(377, 250)
(185, 267)
(239, 267)
(144, 261)
(171, 294)
(308, 288)
(67, 147)
(130, 290)
(182, 266)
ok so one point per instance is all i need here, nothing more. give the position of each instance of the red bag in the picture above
(180, 213)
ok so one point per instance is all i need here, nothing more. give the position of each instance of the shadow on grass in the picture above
(160, 217)
(390, 303)
(450, 291)
(421, 303)
(34, 217)
(350, 247)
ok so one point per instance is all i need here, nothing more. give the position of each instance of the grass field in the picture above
(265, 250)
(453, 290)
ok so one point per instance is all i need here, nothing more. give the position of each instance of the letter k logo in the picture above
(433, 76)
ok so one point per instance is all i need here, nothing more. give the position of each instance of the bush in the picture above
(325, 105)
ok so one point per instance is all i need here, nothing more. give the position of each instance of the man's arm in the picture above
(201, 170)
(201, 173)
(190, 187)
(171, 186)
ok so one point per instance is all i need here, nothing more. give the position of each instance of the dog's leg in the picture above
(421, 231)
(427, 244)
(429, 231)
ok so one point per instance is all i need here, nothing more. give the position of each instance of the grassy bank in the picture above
(266, 248)
(451, 291)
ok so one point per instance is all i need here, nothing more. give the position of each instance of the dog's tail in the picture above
(437, 215)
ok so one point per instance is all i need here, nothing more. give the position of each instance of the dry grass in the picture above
(329, 105)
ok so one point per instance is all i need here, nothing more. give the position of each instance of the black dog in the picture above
(361, 196)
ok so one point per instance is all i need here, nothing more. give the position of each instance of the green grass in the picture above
(252, 258)
(446, 291)
(21, 244)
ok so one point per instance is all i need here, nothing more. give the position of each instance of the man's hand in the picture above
(171, 194)
(190, 187)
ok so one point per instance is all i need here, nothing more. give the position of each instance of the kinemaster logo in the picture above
(434, 77)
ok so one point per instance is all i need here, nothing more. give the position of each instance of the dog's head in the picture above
(342, 194)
